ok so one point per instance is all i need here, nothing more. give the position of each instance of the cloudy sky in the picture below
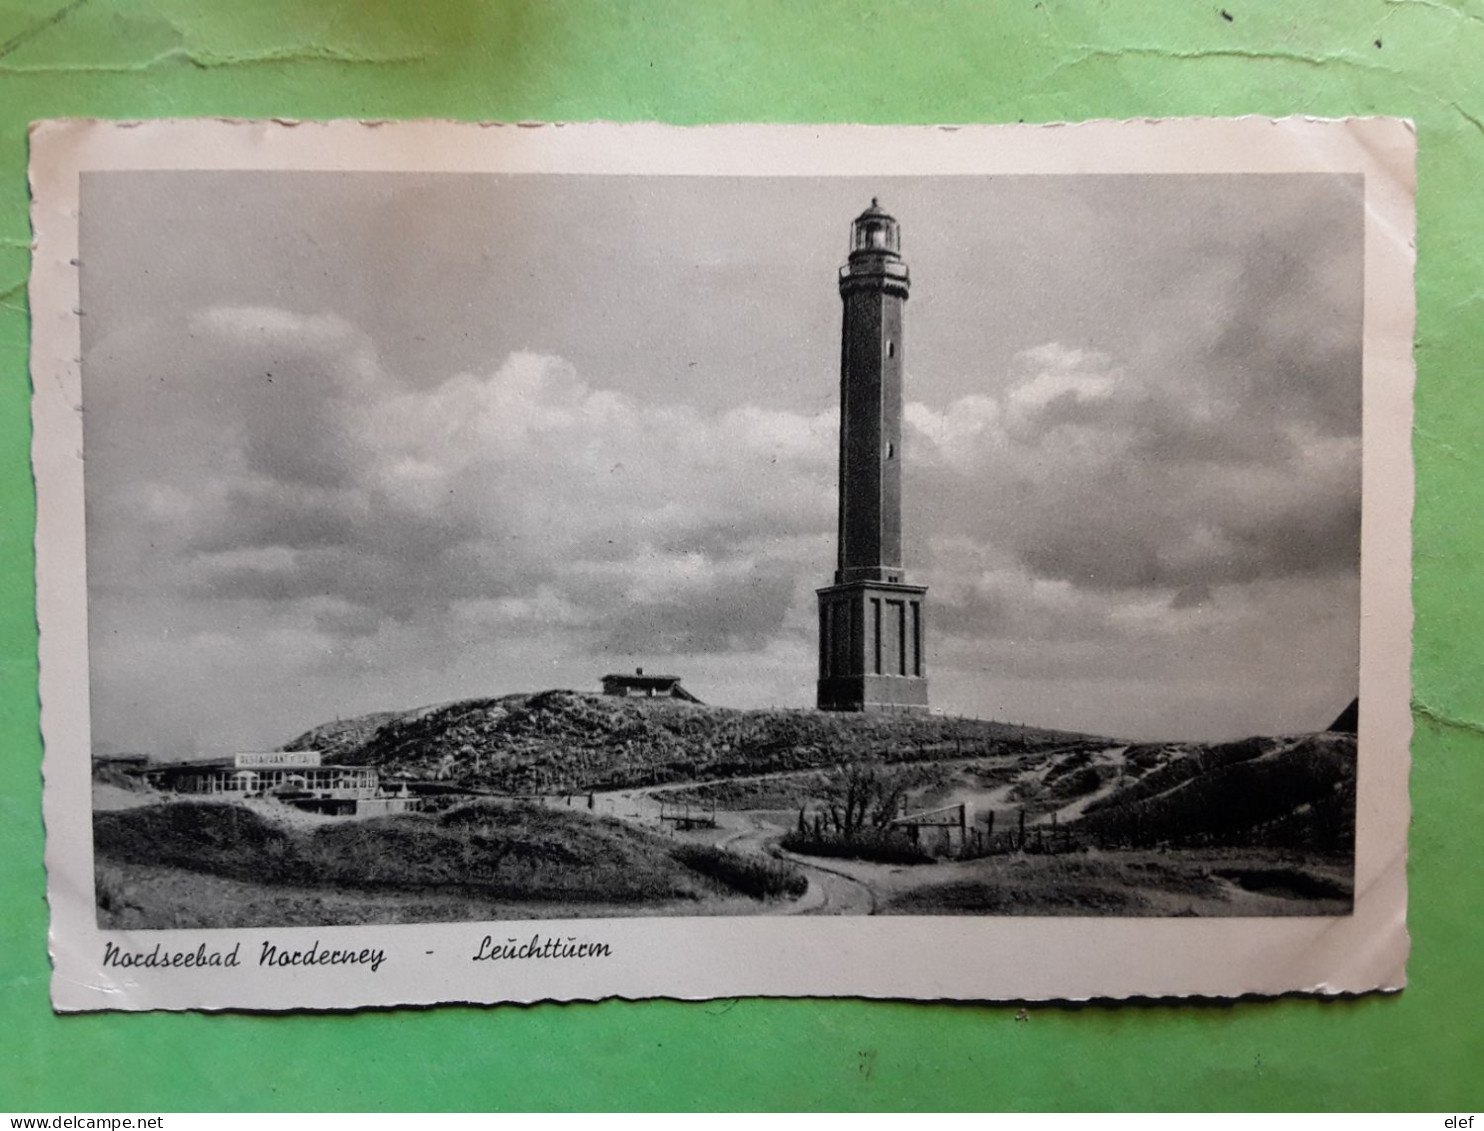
(368, 441)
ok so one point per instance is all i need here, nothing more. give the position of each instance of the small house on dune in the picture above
(641, 686)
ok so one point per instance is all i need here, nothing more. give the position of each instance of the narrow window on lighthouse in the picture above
(891, 450)
(891, 349)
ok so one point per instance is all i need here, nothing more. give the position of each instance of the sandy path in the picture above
(831, 892)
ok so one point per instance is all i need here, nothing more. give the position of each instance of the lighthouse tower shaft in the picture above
(871, 621)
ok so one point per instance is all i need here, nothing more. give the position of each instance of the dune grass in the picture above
(755, 876)
(516, 852)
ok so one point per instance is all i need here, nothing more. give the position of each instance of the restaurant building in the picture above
(298, 777)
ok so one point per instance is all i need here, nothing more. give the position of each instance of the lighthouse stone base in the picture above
(870, 647)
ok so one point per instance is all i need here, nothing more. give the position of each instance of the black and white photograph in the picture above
(488, 545)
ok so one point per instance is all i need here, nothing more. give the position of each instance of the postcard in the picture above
(491, 563)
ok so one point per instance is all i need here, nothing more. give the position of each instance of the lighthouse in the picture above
(871, 620)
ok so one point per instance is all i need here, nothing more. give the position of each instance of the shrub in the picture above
(1298, 796)
(218, 837)
(109, 893)
(509, 851)
(751, 875)
(1069, 764)
(877, 846)
(1079, 782)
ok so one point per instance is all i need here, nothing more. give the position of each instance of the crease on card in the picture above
(15, 290)
(180, 43)
(205, 60)
(32, 30)
(1438, 6)
(1444, 719)
(1091, 53)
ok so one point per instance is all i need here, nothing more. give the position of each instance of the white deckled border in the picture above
(924, 958)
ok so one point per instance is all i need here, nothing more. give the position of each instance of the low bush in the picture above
(751, 875)
(876, 846)
(1300, 796)
(1148, 756)
(1291, 882)
(226, 839)
(1069, 764)
(1079, 782)
(109, 893)
(120, 779)
(506, 851)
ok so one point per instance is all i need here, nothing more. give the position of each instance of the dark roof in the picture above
(1349, 720)
(640, 680)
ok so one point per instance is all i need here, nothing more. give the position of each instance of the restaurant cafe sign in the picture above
(280, 758)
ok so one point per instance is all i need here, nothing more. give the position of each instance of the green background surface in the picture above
(795, 62)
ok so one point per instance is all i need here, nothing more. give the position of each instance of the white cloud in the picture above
(345, 522)
(1054, 372)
